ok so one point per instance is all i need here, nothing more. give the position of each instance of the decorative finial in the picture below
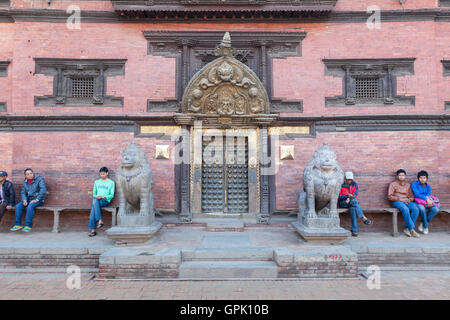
(224, 48)
(226, 41)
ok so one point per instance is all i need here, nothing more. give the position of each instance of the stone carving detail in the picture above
(225, 87)
(318, 218)
(322, 179)
(134, 184)
(136, 217)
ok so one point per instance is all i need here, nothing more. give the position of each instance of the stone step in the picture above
(225, 226)
(45, 271)
(223, 254)
(228, 270)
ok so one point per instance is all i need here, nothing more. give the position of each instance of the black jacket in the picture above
(9, 193)
(34, 191)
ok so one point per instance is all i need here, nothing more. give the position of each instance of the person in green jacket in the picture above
(103, 193)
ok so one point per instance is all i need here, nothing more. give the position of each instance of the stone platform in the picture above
(192, 252)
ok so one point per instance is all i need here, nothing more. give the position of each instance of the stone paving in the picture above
(424, 284)
(393, 285)
(197, 237)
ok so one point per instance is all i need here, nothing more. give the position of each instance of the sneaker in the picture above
(420, 227)
(16, 228)
(407, 232)
(354, 234)
(414, 234)
(26, 229)
(425, 230)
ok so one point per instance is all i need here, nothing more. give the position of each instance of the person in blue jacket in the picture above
(32, 196)
(422, 194)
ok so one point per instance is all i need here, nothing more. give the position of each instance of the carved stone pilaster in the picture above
(264, 216)
(3, 73)
(446, 66)
(184, 160)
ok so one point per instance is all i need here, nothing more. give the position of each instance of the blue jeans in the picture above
(355, 212)
(29, 215)
(409, 212)
(432, 212)
(96, 213)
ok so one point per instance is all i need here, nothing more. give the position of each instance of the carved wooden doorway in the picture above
(227, 109)
(225, 174)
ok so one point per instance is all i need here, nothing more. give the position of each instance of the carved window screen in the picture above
(79, 82)
(369, 82)
(83, 87)
(367, 88)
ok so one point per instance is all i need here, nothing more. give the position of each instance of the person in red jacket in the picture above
(347, 199)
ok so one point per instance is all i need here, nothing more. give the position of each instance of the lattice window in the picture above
(83, 87)
(79, 82)
(369, 81)
(366, 88)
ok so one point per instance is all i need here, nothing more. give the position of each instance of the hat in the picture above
(349, 175)
(3, 174)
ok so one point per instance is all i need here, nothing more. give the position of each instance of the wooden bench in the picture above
(393, 211)
(57, 210)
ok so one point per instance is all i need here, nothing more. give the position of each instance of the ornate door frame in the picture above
(225, 95)
(252, 133)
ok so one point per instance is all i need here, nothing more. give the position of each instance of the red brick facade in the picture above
(69, 160)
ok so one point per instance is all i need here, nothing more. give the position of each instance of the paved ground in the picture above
(198, 237)
(394, 285)
(423, 284)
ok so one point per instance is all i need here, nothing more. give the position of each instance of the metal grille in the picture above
(225, 175)
(212, 175)
(83, 87)
(237, 175)
(366, 88)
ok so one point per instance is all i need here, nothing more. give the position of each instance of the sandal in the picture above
(92, 234)
(99, 225)
(368, 221)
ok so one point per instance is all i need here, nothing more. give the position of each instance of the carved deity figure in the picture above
(322, 180)
(135, 183)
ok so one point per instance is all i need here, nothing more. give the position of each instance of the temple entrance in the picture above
(226, 109)
(225, 171)
(225, 174)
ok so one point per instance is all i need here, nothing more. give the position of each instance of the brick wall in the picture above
(362, 5)
(153, 77)
(138, 271)
(374, 157)
(69, 162)
(304, 77)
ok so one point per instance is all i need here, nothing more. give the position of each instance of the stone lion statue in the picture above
(134, 184)
(322, 180)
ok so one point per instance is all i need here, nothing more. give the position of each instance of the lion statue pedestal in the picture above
(136, 217)
(318, 218)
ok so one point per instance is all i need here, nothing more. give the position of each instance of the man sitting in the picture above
(401, 195)
(32, 195)
(347, 199)
(7, 194)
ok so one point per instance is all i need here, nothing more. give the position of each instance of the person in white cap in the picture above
(347, 199)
